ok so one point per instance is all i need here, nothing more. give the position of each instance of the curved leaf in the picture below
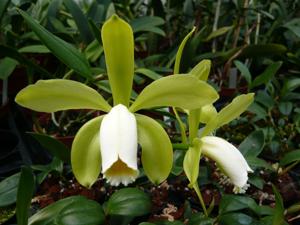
(290, 157)
(57, 94)
(118, 44)
(61, 49)
(85, 154)
(129, 202)
(186, 92)
(74, 210)
(8, 190)
(157, 153)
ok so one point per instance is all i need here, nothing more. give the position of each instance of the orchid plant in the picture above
(202, 142)
(112, 139)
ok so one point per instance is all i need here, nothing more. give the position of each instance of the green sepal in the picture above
(58, 94)
(201, 70)
(118, 44)
(183, 91)
(191, 162)
(157, 152)
(208, 112)
(85, 154)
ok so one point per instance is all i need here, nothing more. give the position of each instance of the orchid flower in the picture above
(112, 139)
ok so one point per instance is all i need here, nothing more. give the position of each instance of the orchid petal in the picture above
(228, 158)
(118, 141)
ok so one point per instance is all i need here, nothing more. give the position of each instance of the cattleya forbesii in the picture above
(112, 139)
(228, 158)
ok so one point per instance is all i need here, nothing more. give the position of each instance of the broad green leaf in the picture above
(191, 164)
(290, 85)
(80, 20)
(219, 32)
(58, 94)
(118, 44)
(55, 147)
(34, 49)
(7, 66)
(8, 190)
(290, 157)
(74, 210)
(278, 218)
(157, 152)
(202, 69)
(129, 202)
(148, 23)
(148, 73)
(3, 5)
(294, 26)
(285, 108)
(244, 70)
(24, 195)
(253, 144)
(180, 51)
(237, 219)
(61, 49)
(255, 162)
(238, 105)
(85, 154)
(208, 112)
(183, 91)
(231, 203)
(200, 219)
(267, 75)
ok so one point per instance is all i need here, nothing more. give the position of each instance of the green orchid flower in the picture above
(112, 139)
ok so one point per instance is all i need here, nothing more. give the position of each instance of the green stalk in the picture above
(181, 127)
(198, 192)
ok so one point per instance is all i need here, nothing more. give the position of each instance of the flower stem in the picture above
(198, 192)
(181, 127)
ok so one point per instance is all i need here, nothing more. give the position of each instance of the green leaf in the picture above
(148, 23)
(148, 73)
(219, 32)
(244, 70)
(290, 157)
(55, 147)
(61, 49)
(58, 94)
(80, 20)
(85, 154)
(24, 195)
(238, 105)
(236, 219)
(278, 218)
(74, 210)
(183, 91)
(3, 5)
(191, 164)
(285, 108)
(231, 203)
(255, 162)
(157, 153)
(294, 26)
(267, 75)
(8, 190)
(253, 144)
(129, 202)
(180, 51)
(202, 69)
(34, 49)
(118, 44)
(200, 219)
(7, 66)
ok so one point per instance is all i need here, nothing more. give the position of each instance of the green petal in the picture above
(184, 91)
(201, 70)
(208, 112)
(118, 44)
(157, 152)
(57, 94)
(238, 105)
(85, 155)
(191, 162)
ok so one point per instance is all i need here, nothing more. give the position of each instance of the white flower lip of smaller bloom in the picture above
(118, 145)
(229, 158)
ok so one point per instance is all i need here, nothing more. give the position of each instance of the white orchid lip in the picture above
(118, 144)
(229, 159)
